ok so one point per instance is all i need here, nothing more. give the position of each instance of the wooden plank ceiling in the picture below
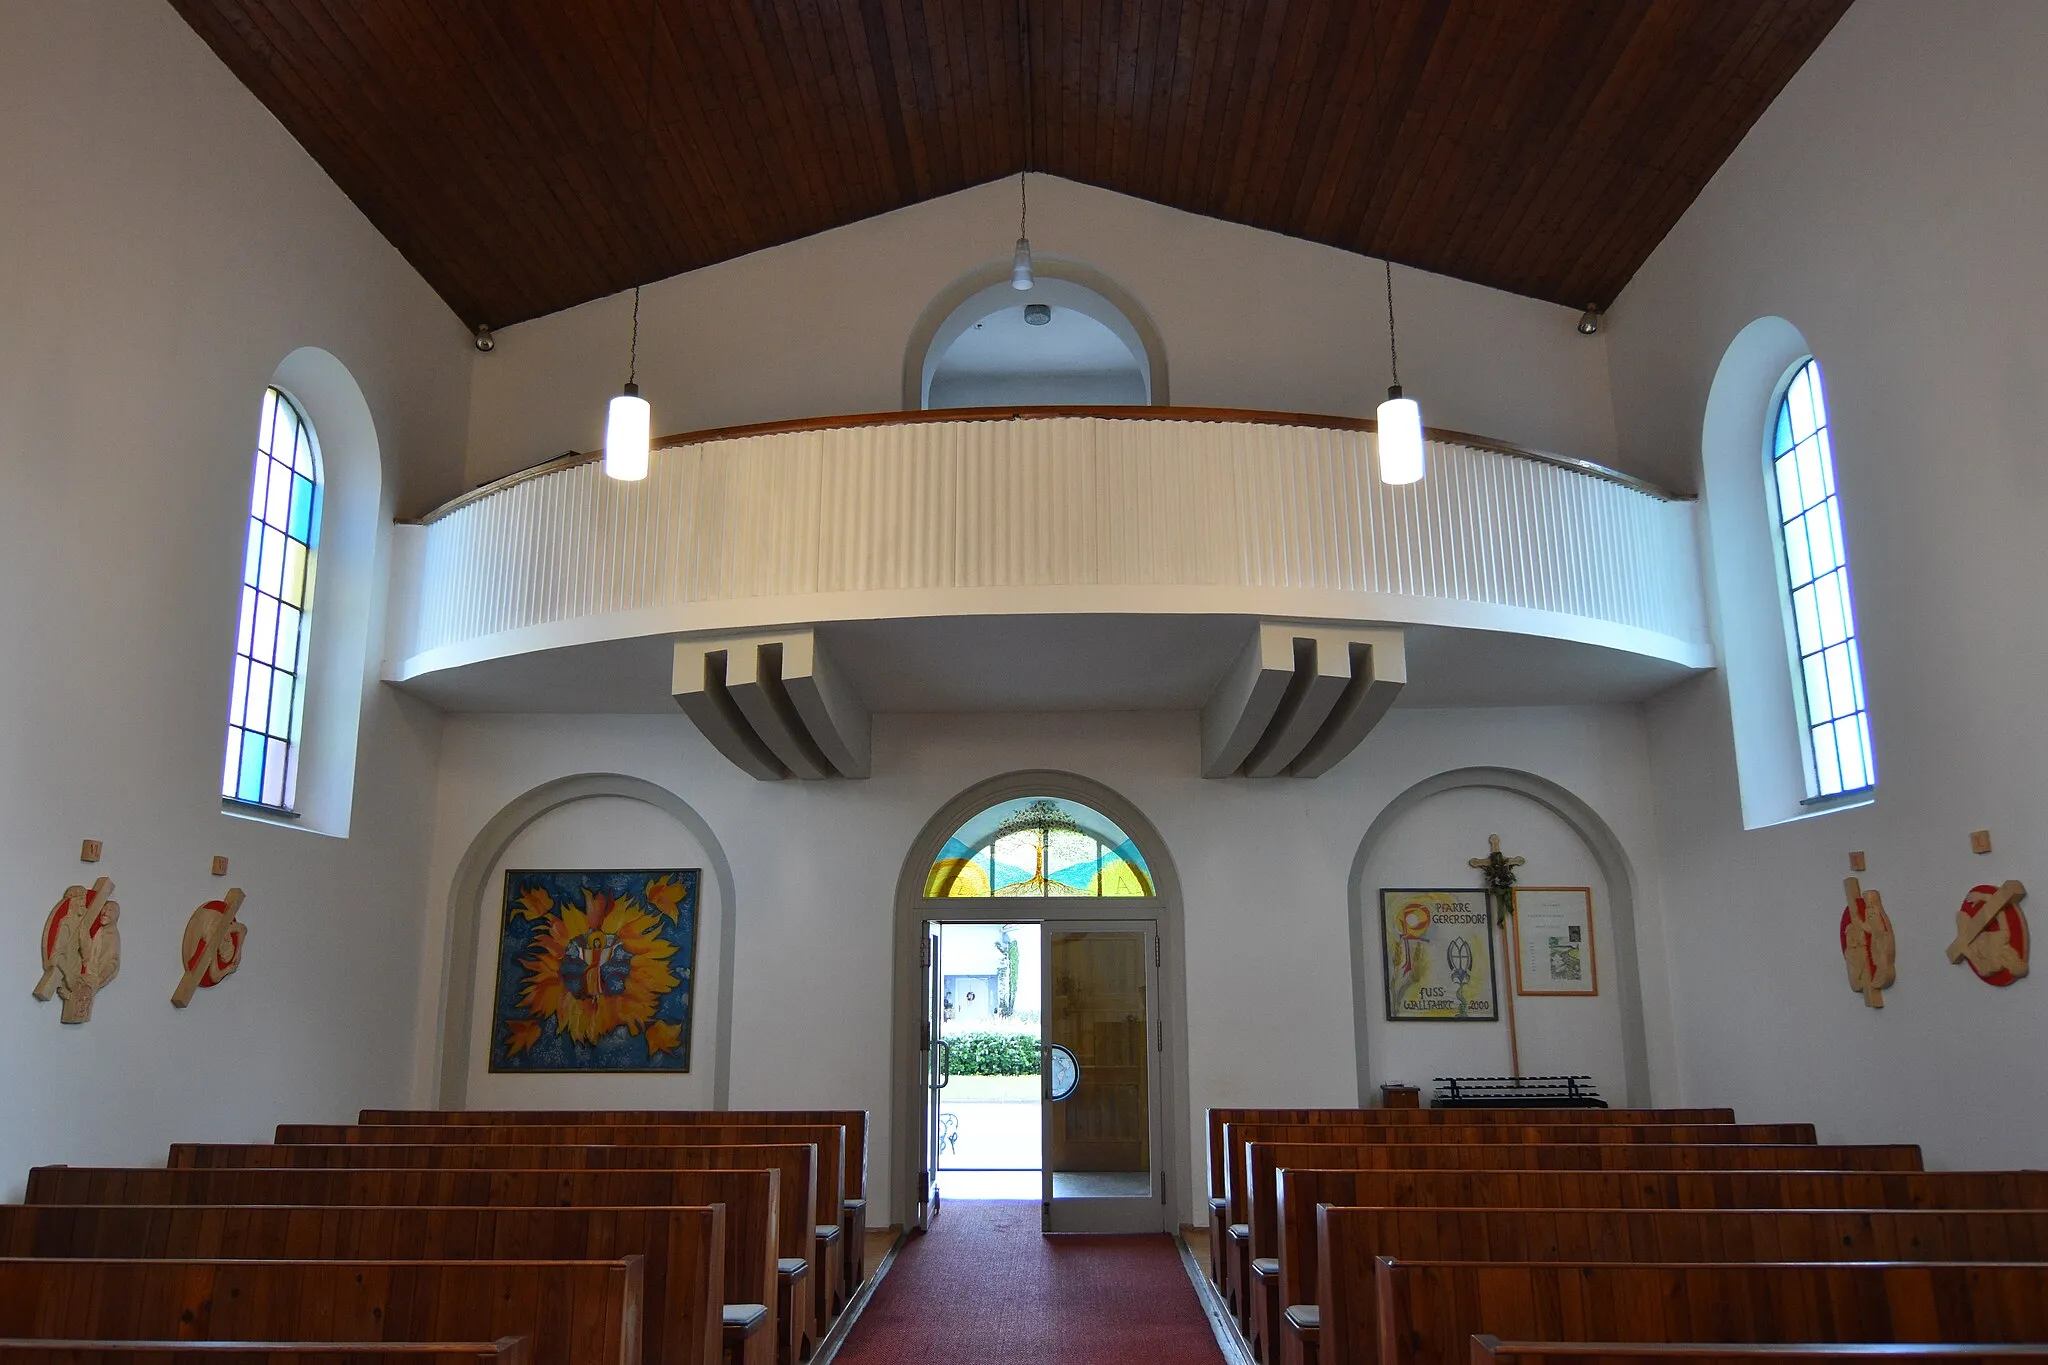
(507, 149)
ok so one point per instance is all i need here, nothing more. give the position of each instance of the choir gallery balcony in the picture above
(1046, 559)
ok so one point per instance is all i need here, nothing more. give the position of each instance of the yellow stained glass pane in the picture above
(957, 877)
(1119, 878)
(294, 589)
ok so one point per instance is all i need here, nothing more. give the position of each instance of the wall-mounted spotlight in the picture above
(1038, 314)
(1589, 321)
(485, 342)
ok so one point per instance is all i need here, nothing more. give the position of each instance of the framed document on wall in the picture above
(1554, 941)
(1438, 949)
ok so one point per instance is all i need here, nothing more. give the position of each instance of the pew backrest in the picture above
(1301, 1189)
(797, 1164)
(830, 1140)
(683, 1248)
(1489, 1350)
(504, 1351)
(1430, 1310)
(1262, 1160)
(751, 1198)
(1219, 1118)
(855, 1121)
(1357, 1238)
(574, 1312)
(1545, 1156)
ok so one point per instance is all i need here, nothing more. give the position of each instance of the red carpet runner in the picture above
(984, 1285)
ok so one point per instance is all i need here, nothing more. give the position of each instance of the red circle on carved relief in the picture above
(2015, 924)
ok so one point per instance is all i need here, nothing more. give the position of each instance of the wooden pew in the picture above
(751, 1198)
(1430, 1310)
(853, 1219)
(1487, 1350)
(504, 1351)
(1257, 1210)
(574, 1312)
(1361, 1147)
(1555, 1126)
(683, 1248)
(796, 1238)
(1220, 1117)
(1301, 1190)
(830, 1284)
(1358, 1238)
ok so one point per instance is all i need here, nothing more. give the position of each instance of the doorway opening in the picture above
(989, 1091)
(1042, 1047)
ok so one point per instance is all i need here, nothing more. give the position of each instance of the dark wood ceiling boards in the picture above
(506, 147)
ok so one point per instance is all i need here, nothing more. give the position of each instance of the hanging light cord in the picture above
(633, 355)
(1024, 61)
(647, 146)
(1393, 351)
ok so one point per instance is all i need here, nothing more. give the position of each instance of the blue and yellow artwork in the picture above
(596, 971)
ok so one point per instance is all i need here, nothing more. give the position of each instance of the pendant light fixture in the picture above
(1400, 418)
(629, 423)
(631, 420)
(1020, 264)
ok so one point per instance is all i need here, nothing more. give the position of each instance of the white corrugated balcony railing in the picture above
(1141, 510)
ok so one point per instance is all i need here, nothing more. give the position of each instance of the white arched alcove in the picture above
(1746, 594)
(972, 346)
(1165, 909)
(1422, 839)
(347, 592)
(592, 820)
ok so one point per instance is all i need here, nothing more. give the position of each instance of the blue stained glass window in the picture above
(267, 705)
(1823, 619)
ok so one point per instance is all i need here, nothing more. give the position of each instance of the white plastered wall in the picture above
(1248, 319)
(1888, 205)
(164, 245)
(1265, 871)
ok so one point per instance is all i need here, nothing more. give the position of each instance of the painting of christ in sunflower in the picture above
(596, 971)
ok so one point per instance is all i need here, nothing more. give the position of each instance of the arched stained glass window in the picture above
(268, 700)
(1822, 626)
(1036, 846)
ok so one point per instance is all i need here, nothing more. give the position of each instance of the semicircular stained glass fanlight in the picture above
(1037, 846)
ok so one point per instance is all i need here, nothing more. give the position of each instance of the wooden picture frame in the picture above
(1554, 949)
(1437, 947)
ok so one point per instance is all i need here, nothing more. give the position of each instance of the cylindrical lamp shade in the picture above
(1020, 265)
(1400, 438)
(627, 429)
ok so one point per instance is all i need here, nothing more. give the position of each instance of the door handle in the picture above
(945, 1064)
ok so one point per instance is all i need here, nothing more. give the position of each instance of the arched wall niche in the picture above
(1618, 967)
(1166, 909)
(347, 594)
(471, 886)
(1061, 283)
(1746, 600)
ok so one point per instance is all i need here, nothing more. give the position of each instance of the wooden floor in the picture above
(878, 1243)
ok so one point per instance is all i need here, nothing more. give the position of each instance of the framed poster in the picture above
(1554, 941)
(596, 971)
(1438, 947)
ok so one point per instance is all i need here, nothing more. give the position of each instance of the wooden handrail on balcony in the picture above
(1250, 416)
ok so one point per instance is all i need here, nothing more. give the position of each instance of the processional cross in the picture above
(1497, 874)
